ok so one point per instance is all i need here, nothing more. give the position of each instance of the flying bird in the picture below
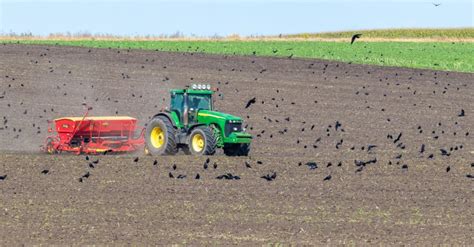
(354, 37)
(436, 4)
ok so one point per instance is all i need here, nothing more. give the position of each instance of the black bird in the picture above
(430, 156)
(469, 176)
(405, 166)
(81, 180)
(197, 176)
(205, 166)
(462, 114)
(91, 165)
(370, 147)
(207, 161)
(436, 4)
(359, 169)
(170, 175)
(448, 168)
(87, 157)
(180, 176)
(95, 161)
(215, 165)
(444, 152)
(247, 165)
(250, 102)
(312, 165)
(174, 167)
(259, 162)
(354, 37)
(398, 138)
(422, 150)
(337, 125)
(135, 160)
(267, 177)
(3, 177)
(45, 171)
(273, 176)
(327, 178)
(86, 175)
(155, 162)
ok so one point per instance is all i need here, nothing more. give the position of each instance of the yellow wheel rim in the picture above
(198, 142)
(157, 137)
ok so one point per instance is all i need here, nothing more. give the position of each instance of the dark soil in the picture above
(401, 197)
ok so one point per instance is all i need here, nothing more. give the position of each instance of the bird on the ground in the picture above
(269, 177)
(45, 171)
(174, 167)
(327, 178)
(448, 168)
(215, 165)
(247, 165)
(180, 176)
(86, 175)
(3, 177)
(136, 159)
(155, 162)
(370, 147)
(398, 138)
(170, 175)
(405, 166)
(197, 176)
(422, 150)
(250, 102)
(462, 114)
(354, 37)
(311, 165)
(91, 165)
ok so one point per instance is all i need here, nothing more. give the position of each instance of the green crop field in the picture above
(450, 56)
(421, 33)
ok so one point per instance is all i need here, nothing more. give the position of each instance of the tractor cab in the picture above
(186, 103)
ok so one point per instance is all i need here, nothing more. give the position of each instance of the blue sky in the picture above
(224, 17)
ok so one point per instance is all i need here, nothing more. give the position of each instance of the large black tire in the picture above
(160, 138)
(202, 141)
(241, 149)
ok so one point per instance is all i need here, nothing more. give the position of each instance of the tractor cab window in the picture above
(177, 103)
(200, 102)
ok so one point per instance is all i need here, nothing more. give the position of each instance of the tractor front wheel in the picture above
(160, 137)
(202, 141)
(240, 149)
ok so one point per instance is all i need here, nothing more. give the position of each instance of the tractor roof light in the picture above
(201, 86)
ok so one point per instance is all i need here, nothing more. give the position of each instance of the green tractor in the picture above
(192, 125)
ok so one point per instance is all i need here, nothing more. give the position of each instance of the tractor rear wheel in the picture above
(160, 137)
(202, 141)
(240, 149)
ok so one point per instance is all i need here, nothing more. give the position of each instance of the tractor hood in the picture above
(217, 115)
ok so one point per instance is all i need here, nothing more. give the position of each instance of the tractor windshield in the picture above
(200, 101)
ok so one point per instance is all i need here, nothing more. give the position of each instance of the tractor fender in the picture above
(166, 115)
(195, 126)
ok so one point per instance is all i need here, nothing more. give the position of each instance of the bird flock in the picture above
(270, 117)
